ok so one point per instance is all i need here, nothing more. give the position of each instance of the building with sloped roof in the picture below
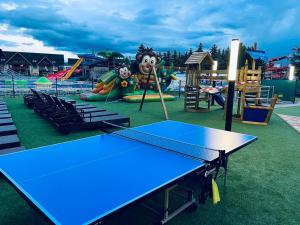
(28, 63)
(195, 64)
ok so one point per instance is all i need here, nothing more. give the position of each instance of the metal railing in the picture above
(12, 86)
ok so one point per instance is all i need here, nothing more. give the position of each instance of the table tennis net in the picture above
(176, 146)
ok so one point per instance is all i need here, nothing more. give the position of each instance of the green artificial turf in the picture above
(291, 111)
(263, 182)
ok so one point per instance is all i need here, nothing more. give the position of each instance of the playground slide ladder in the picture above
(74, 67)
(191, 99)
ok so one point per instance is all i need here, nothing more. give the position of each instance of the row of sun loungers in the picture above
(9, 140)
(67, 116)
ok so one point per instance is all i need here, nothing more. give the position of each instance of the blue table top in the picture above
(201, 136)
(81, 181)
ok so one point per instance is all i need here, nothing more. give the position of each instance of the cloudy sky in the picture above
(80, 26)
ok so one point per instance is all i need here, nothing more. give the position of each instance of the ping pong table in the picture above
(85, 181)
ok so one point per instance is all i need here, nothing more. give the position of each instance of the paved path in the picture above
(287, 104)
(293, 121)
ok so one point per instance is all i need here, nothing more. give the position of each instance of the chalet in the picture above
(31, 63)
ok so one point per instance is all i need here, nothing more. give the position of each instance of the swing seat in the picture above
(258, 114)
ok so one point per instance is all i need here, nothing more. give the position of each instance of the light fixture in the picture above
(291, 72)
(214, 68)
(233, 60)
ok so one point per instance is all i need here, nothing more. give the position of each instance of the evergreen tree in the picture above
(221, 61)
(226, 56)
(179, 60)
(200, 47)
(243, 56)
(175, 57)
(164, 57)
(214, 51)
(190, 52)
(159, 54)
(186, 55)
(168, 58)
(219, 54)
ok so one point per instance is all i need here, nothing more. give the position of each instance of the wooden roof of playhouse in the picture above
(199, 57)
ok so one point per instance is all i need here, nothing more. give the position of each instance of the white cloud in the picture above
(3, 27)
(286, 23)
(29, 44)
(123, 25)
(8, 6)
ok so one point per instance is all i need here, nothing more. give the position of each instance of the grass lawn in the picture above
(263, 182)
(291, 111)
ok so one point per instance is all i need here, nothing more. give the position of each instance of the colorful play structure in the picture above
(127, 82)
(61, 75)
(84, 60)
(42, 83)
(145, 79)
(276, 68)
(255, 103)
(66, 74)
(199, 68)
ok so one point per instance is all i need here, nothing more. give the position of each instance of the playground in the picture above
(254, 190)
(70, 121)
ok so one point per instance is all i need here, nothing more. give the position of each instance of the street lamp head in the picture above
(215, 67)
(291, 72)
(233, 59)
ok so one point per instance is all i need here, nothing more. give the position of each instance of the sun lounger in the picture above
(7, 130)
(11, 150)
(9, 141)
(4, 122)
(5, 116)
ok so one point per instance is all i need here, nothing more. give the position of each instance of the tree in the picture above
(186, 55)
(219, 55)
(179, 60)
(200, 47)
(160, 55)
(226, 56)
(165, 57)
(214, 51)
(111, 57)
(175, 57)
(168, 58)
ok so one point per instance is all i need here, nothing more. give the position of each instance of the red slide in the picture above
(57, 75)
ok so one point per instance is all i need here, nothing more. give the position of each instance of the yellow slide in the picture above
(74, 67)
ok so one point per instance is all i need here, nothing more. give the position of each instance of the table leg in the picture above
(190, 203)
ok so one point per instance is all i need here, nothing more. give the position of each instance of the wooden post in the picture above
(145, 90)
(160, 94)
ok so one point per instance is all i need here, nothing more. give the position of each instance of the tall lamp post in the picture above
(232, 72)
